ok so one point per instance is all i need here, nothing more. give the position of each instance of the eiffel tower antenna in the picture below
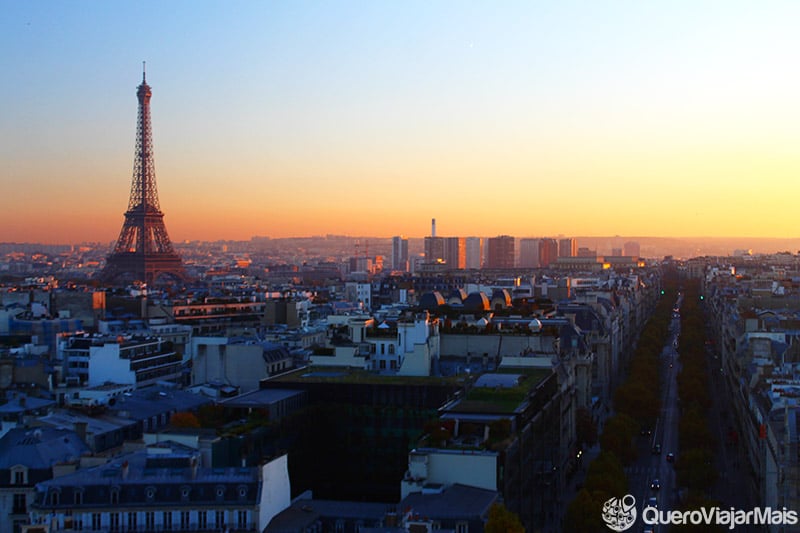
(143, 251)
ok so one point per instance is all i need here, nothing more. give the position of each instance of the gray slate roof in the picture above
(40, 448)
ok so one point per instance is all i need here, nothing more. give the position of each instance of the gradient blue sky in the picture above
(370, 118)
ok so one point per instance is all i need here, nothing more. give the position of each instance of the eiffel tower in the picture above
(143, 251)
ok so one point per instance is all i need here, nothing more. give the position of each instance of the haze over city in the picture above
(672, 119)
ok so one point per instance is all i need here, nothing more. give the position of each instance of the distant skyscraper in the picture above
(455, 252)
(143, 250)
(548, 252)
(567, 247)
(400, 253)
(529, 253)
(616, 252)
(632, 249)
(473, 252)
(434, 249)
(500, 252)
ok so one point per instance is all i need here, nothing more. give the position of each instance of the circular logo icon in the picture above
(619, 514)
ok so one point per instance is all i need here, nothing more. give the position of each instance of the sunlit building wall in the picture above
(473, 252)
(455, 252)
(567, 247)
(548, 251)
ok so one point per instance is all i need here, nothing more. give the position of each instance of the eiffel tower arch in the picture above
(143, 251)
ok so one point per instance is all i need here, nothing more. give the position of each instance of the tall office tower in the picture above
(567, 247)
(143, 250)
(455, 252)
(500, 252)
(529, 253)
(473, 252)
(548, 252)
(434, 249)
(400, 253)
(632, 249)
(433, 227)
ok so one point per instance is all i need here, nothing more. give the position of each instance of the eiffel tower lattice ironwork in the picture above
(143, 250)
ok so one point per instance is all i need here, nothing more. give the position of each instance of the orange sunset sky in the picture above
(370, 118)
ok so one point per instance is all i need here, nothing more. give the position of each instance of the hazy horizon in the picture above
(672, 120)
(651, 247)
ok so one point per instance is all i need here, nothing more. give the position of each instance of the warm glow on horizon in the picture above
(525, 119)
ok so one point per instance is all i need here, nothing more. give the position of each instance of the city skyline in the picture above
(291, 120)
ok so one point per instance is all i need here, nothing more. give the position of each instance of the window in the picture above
(219, 520)
(391, 349)
(150, 493)
(95, 521)
(115, 496)
(150, 520)
(241, 519)
(202, 519)
(184, 519)
(184, 493)
(220, 492)
(462, 527)
(20, 504)
(113, 521)
(132, 521)
(167, 520)
(54, 497)
(77, 497)
(19, 475)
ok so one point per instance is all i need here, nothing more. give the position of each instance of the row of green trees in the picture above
(696, 442)
(637, 402)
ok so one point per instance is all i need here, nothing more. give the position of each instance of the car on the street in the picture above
(670, 457)
(652, 501)
(655, 484)
(656, 449)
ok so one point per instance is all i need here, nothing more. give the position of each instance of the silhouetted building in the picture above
(529, 253)
(400, 253)
(434, 249)
(632, 249)
(500, 252)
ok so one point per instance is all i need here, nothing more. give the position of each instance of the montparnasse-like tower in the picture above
(143, 251)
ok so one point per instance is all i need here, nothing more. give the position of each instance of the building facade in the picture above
(500, 252)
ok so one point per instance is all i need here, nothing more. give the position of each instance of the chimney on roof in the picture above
(193, 465)
(125, 468)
